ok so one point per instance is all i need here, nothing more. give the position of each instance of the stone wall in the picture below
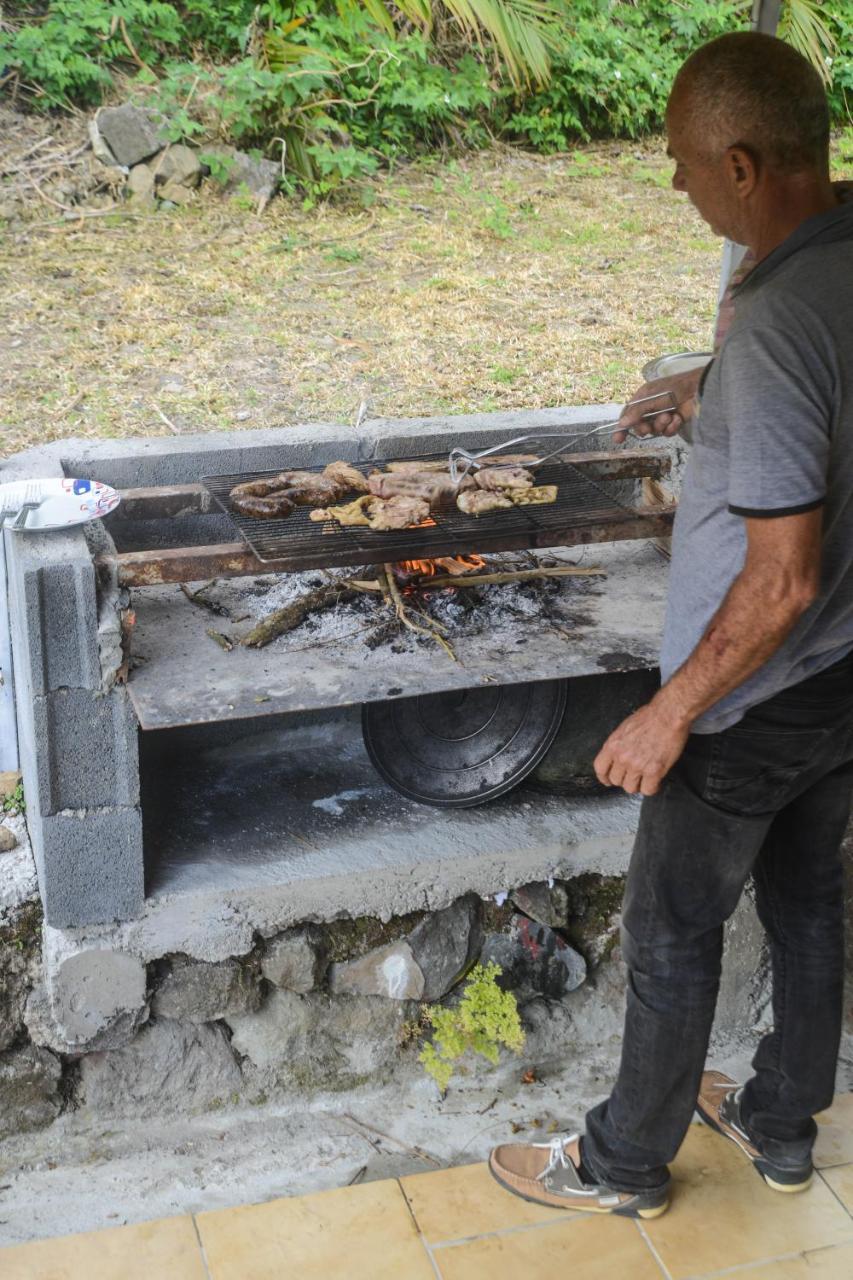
(328, 1006)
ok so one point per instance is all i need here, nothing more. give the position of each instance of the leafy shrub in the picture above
(340, 87)
(485, 1020)
(615, 76)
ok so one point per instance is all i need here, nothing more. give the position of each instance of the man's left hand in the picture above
(640, 753)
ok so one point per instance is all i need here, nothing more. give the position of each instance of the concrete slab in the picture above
(258, 833)
(185, 678)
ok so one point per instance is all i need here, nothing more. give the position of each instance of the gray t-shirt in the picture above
(774, 437)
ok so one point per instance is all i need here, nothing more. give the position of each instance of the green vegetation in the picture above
(14, 803)
(485, 1020)
(337, 88)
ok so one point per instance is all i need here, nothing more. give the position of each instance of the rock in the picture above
(131, 133)
(8, 840)
(388, 971)
(196, 991)
(594, 914)
(99, 147)
(140, 184)
(10, 780)
(95, 998)
(312, 1041)
(20, 957)
(29, 1090)
(445, 943)
(296, 960)
(168, 1066)
(178, 164)
(260, 176)
(174, 193)
(535, 960)
(546, 905)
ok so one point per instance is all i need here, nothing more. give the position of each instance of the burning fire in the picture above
(456, 566)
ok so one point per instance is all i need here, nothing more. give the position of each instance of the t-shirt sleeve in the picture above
(777, 395)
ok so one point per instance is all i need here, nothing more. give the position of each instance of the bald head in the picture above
(754, 91)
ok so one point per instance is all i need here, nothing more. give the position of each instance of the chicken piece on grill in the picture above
(353, 513)
(346, 474)
(476, 502)
(538, 496)
(397, 512)
(504, 479)
(368, 511)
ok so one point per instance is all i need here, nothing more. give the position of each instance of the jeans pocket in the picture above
(758, 770)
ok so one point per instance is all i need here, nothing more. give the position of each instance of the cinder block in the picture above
(89, 866)
(54, 614)
(83, 753)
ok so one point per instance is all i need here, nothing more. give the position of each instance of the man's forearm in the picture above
(750, 625)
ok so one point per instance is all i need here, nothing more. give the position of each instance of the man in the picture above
(745, 756)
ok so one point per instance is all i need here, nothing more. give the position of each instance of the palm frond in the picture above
(802, 26)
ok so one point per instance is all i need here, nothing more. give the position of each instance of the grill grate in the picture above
(297, 543)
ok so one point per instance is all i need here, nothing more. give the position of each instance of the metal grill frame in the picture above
(297, 543)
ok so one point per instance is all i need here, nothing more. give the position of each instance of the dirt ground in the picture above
(498, 280)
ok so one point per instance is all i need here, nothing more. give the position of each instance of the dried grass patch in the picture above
(500, 281)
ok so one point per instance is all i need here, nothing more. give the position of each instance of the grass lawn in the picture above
(501, 280)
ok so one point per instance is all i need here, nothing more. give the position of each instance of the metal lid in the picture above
(680, 362)
(464, 747)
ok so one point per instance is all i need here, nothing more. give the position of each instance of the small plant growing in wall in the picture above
(485, 1019)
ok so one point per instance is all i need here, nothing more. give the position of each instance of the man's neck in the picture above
(785, 206)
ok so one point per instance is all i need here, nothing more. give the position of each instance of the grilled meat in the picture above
(537, 496)
(346, 474)
(443, 464)
(261, 488)
(273, 506)
(504, 479)
(397, 512)
(476, 502)
(433, 487)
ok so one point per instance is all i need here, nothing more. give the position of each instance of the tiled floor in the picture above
(457, 1224)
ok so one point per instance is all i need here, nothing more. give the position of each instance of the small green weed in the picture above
(485, 1019)
(14, 803)
(343, 253)
(500, 373)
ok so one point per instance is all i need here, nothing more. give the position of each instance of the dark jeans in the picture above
(768, 797)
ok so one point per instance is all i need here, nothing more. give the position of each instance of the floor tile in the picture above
(594, 1248)
(166, 1249)
(452, 1204)
(835, 1133)
(723, 1215)
(361, 1233)
(841, 1181)
(821, 1264)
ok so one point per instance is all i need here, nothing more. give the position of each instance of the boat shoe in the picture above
(783, 1166)
(550, 1173)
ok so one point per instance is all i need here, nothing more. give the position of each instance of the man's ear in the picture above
(742, 169)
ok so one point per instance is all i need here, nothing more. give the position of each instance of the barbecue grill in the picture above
(583, 508)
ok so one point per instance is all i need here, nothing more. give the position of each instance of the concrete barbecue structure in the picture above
(193, 815)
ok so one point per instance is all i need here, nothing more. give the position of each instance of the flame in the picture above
(456, 566)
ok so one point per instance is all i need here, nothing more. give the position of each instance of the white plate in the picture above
(681, 362)
(62, 503)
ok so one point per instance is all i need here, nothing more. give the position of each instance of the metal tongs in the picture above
(462, 461)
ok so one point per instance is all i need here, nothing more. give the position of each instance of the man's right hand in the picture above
(679, 390)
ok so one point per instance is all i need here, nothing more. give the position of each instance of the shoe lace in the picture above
(558, 1158)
